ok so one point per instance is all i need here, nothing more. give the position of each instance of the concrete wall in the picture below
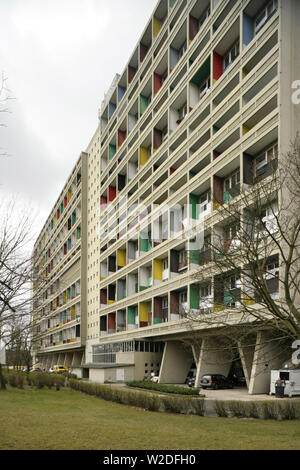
(214, 359)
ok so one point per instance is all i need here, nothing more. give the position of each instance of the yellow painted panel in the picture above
(111, 301)
(121, 258)
(73, 311)
(218, 307)
(143, 155)
(144, 311)
(69, 194)
(157, 269)
(156, 26)
(248, 300)
(245, 129)
(216, 206)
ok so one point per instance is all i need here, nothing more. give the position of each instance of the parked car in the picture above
(215, 381)
(51, 370)
(191, 381)
(58, 369)
(191, 375)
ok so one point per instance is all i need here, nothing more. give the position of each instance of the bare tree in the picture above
(250, 262)
(5, 96)
(16, 240)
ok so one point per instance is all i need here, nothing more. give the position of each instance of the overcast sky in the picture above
(59, 57)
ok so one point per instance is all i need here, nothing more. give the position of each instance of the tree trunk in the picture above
(2, 380)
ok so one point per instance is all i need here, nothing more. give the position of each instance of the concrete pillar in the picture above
(214, 359)
(69, 359)
(176, 362)
(246, 354)
(77, 359)
(267, 356)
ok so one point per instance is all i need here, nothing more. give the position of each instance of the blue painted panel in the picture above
(248, 30)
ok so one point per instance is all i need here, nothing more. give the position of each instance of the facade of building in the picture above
(59, 288)
(205, 96)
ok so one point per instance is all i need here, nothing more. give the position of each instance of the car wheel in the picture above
(204, 388)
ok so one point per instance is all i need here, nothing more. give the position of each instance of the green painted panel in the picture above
(145, 244)
(202, 73)
(194, 297)
(111, 150)
(227, 197)
(144, 101)
(193, 208)
(131, 315)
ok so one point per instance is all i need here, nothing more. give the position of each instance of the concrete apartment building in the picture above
(59, 288)
(205, 93)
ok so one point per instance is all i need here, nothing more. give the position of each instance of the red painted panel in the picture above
(157, 307)
(131, 73)
(217, 66)
(111, 193)
(193, 30)
(103, 296)
(157, 138)
(143, 52)
(218, 189)
(111, 321)
(121, 137)
(157, 82)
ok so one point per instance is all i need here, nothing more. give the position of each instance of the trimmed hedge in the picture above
(147, 401)
(162, 388)
(264, 409)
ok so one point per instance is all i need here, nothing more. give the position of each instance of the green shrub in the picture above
(252, 409)
(174, 405)
(197, 406)
(20, 380)
(162, 388)
(237, 408)
(12, 379)
(289, 409)
(58, 380)
(147, 401)
(220, 408)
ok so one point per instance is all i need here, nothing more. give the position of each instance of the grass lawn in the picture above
(48, 419)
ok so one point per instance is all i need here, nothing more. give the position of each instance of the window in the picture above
(205, 291)
(262, 18)
(232, 180)
(272, 270)
(183, 297)
(182, 259)
(165, 264)
(164, 134)
(233, 282)
(182, 112)
(261, 162)
(204, 87)
(231, 231)
(204, 200)
(204, 17)
(231, 55)
(182, 50)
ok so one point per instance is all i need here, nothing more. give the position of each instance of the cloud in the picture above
(60, 57)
